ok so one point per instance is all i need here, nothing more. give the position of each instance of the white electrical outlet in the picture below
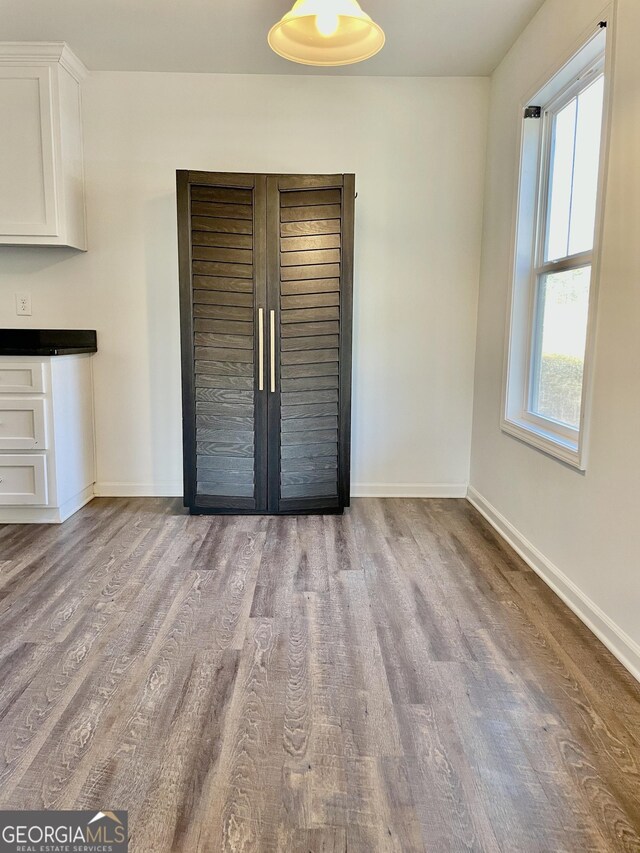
(23, 304)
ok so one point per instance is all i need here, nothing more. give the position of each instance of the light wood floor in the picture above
(390, 680)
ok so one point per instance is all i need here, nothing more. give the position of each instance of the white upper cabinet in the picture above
(41, 168)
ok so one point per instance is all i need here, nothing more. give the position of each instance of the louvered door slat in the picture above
(303, 244)
(222, 226)
(224, 283)
(313, 285)
(224, 312)
(310, 227)
(224, 326)
(217, 238)
(217, 253)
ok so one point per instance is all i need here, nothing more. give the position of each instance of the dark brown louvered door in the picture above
(310, 260)
(223, 287)
(265, 311)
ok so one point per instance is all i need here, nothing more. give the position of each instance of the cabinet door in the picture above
(222, 281)
(310, 260)
(27, 173)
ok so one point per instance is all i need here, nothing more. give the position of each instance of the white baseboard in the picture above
(173, 489)
(46, 514)
(619, 643)
(77, 502)
(161, 489)
(408, 490)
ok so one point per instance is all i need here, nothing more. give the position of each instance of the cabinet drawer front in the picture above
(23, 479)
(21, 378)
(22, 424)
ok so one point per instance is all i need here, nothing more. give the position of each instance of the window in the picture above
(553, 304)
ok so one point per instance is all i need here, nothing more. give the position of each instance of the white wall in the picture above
(580, 531)
(417, 147)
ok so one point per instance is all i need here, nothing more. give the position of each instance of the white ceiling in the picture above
(424, 37)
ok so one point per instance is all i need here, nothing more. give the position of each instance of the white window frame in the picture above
(592, 56)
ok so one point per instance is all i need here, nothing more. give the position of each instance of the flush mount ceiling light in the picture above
(326, 32)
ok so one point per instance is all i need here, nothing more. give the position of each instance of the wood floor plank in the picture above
(509, 787)
(241, 797)
(274, 589)
(173, 801)
(447, 799)
(392, 679)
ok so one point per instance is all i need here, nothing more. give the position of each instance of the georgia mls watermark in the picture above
(63, 832)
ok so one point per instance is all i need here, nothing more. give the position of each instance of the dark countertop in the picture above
(47, 341)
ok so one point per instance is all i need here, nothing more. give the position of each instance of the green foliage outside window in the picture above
(560, 388)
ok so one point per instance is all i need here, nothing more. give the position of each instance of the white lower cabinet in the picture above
(47, 469)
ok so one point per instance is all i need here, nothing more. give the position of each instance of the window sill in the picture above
(559, 447)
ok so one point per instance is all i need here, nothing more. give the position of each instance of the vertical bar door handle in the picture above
(272, 341)
(260, 349)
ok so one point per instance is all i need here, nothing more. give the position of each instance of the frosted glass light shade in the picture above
(326, 32)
